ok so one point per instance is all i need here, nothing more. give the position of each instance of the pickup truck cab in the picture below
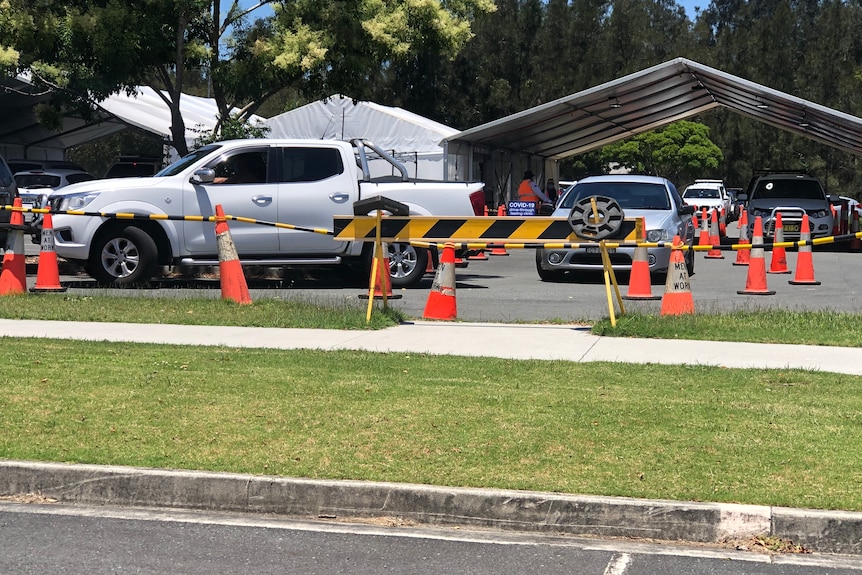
(302, 183)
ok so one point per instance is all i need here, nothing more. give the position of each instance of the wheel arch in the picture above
(152, 229)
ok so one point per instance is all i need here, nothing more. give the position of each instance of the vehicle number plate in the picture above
(790, 227)
(598, 250)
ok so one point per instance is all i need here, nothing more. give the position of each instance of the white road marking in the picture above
(618, 564)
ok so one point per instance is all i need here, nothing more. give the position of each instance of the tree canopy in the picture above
(460, 62)
(85, 50)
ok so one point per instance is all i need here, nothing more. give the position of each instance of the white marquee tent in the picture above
(413, 139)
(21, 135)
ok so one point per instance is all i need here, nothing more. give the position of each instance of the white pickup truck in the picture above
(303, 183)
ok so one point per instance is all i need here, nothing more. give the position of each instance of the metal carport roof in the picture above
(649, 99)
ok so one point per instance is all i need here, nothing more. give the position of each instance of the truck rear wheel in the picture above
(407, 264)
(123, 257)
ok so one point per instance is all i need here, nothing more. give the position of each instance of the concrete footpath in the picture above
(821, 531)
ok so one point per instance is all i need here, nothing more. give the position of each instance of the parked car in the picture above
(8, 193)
(738, 204)
(34, 187)
(712, 195)
(654, 198)
(792, 194)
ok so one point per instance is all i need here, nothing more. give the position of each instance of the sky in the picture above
(689, 6)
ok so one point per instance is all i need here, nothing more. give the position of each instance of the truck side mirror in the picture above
(203, 176)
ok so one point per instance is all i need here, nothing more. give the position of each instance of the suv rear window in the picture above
(37, 181)
(701, 193)
(788, 188)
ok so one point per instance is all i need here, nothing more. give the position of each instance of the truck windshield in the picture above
(185, 161)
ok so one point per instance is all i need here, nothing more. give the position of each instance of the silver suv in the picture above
(792, 194)
(653, 198)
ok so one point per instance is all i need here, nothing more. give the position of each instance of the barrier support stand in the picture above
(376, 263)
(610, 277)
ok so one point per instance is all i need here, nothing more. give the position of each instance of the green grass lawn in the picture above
(773, 437)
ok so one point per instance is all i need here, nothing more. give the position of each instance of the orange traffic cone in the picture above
(233, 285)
(694, 221)
(714, 238)
(640, 284)
(13, 278)
(755, 282)
(804, 260)
(722, 223)
(855, 242)
(48, 272)
(703, 239)
(677, 298)
(429, 267)
(836, 222)
(441, 302)
(478, 256)
(500, 250)
(778, 263)
(382, 280)
(743, 253)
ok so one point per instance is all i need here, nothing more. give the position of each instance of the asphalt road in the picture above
(508, 289)
(78, 540)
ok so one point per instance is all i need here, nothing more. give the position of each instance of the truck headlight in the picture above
(76, 201)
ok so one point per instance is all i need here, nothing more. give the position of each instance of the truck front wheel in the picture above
(123, 257)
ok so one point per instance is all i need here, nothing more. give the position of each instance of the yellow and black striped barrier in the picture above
(507, 229)
(472, 233)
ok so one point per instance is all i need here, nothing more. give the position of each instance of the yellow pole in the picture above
(376, 264)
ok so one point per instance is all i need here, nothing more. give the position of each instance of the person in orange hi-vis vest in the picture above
(529, 191)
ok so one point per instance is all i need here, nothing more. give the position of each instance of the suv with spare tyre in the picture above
(792, 194)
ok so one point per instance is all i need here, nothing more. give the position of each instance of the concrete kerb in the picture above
(525, 511)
